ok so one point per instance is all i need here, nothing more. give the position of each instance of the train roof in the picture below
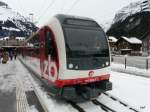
(62, 17)
(69, 19)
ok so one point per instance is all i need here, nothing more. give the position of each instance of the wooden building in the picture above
(112, 40)
(131, 46)
(146, 44)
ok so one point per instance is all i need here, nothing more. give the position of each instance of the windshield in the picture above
(85, 42)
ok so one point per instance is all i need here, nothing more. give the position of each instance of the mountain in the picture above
(132, 20)
(12, 23)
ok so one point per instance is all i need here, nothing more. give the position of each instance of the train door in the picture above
(51, 55)
(42, 51)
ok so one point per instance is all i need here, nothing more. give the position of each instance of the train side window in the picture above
(49, 44)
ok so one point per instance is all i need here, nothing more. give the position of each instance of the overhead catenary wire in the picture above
(72, 6)
(62, 7)
(45, 11)
(42, 5)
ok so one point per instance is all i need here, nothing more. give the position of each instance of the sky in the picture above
(42, 10)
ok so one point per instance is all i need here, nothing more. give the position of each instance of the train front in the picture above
(86, 67)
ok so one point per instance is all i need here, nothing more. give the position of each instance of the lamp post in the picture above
(31, 18)
(147, 60)
(125, 61)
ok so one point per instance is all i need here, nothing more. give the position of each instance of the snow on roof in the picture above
(4, 38)
(10, 29)
(20, 38)
(132, 40)
(112, 39)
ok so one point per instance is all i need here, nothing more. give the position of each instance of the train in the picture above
(71, 55)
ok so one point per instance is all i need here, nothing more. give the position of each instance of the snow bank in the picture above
(130, 70)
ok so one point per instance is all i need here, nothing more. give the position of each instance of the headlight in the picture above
(70, 65)
(107, 63)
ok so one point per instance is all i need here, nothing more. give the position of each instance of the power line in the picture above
(46, 10)
(42, 6)
(72, 6)
(62, 7)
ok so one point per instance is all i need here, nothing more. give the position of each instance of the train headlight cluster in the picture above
(71, 66)
(106, 64)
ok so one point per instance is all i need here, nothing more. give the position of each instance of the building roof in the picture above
(132, 40)
(112, 39)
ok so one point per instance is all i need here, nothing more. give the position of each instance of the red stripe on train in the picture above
(62, 83)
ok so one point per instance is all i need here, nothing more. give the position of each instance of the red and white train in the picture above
(71, 55)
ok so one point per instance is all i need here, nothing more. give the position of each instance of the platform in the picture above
(16, 91)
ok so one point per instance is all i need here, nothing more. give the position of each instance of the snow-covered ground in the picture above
(7, 78)
(134, 90)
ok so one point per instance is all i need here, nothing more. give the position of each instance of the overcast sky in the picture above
(101, 10)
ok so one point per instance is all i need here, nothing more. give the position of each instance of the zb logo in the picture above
(50, 69)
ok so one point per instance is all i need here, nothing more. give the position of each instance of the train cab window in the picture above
(49, 44)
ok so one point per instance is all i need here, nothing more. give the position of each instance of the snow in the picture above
(8, 14)
(132, 9)
(4, 38)
(10, 29)
(18, 22)
(33, 109)
(133, 40)
(52, 104)
(7, 78)
(113, 104)
(106, 24)
(130, 70)
(19, 38)
(132, 89)
(90, 107)
(112, 39)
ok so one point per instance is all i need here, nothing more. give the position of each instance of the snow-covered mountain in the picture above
(12, 23)
(106, 25)
(131, 9)
(132, 20)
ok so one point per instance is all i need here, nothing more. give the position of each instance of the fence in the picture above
(133, 61)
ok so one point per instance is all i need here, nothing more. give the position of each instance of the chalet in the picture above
(112, 41)
(146, 44)
(131, 46)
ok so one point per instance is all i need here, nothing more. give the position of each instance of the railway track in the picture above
(76, 106)
(103, 107)
(121, 102)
